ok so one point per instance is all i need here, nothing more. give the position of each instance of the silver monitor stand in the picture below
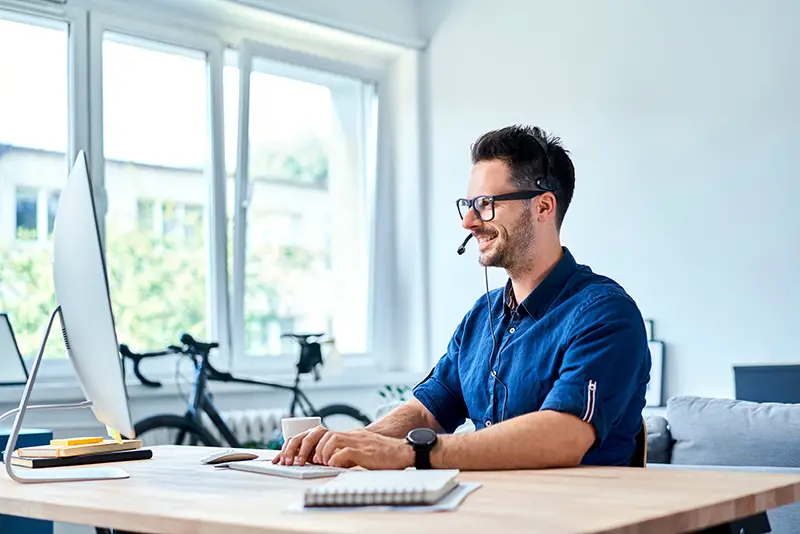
(71, 474)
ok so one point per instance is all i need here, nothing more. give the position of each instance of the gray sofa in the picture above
(710, 433)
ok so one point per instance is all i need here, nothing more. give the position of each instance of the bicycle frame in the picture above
(201, 401)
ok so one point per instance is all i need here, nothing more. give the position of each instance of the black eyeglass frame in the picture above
(517, 195)
(546, 183)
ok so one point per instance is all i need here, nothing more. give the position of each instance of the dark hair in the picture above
(518, 147)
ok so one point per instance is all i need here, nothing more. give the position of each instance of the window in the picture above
(146, 100)
(33, 142)
(27, 202)
(36, 213)
(172, 220)
(155, 143)
(145, 216)
(306, 253)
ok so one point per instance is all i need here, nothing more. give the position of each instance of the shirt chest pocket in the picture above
(530, 377)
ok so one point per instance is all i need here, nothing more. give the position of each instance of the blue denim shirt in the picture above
(577, 344)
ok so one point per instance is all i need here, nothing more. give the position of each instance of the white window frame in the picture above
(397, 332)
(101, 22)
(249, 50)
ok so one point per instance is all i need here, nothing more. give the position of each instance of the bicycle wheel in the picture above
(341, 417)
(169, 429)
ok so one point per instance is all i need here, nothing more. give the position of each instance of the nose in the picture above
(471, 220)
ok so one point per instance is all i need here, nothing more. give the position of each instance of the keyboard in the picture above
(266, 467)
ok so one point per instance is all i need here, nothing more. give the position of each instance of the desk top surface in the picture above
(173, 493)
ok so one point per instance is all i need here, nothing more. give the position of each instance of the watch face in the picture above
(422, 436)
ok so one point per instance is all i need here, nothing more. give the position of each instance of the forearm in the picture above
(531, 441)
(403, 419)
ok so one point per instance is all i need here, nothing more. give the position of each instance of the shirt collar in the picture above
(542, 296)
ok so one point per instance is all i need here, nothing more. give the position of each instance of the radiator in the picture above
(259, 426)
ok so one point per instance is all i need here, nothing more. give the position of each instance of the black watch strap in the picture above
(423, 457)
(422, 440)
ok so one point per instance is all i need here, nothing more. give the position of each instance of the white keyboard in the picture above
(266, 467)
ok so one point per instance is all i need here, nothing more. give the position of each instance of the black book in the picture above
(99, 458)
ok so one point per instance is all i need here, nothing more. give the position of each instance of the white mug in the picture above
(293, 426)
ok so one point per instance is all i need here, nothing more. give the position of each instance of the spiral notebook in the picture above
(398, 488)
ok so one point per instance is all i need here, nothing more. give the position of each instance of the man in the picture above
(554, 376)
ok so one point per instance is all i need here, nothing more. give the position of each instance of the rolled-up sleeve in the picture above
(607, 360)
(440, 392)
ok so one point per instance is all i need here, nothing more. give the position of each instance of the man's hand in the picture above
(298, 449)
(346, 449)
(365, 449)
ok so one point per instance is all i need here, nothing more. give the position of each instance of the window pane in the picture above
(170, 220)
(306, 264)
(145, 211)
(155, 139)
(27, 200)
(192, 223)
(33, 166)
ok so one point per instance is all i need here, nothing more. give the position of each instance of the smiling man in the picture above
(552, 368)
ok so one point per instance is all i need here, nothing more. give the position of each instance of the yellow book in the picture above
(74, 441)
(66, 451)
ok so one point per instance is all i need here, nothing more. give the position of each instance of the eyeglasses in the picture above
(484, 205)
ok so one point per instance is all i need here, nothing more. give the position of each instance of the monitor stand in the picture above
(70, 474)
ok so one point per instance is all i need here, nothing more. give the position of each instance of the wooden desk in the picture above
(174, 494)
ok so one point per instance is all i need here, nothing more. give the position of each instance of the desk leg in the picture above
(754, 524)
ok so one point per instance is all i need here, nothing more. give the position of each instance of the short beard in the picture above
(513, 255)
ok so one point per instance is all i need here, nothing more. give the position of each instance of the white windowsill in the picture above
(58, 391)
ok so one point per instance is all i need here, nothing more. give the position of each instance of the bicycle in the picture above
(190, 426)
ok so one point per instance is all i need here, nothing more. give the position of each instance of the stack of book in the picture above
(80, 451)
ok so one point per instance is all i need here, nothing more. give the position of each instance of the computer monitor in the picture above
(87, 321)
(11, 362)
(81, 287)
(767, 383)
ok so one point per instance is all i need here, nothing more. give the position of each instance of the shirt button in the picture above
(488, 423)
(512, 330)
(494, 373)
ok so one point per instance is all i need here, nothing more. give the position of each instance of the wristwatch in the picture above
(422, 441)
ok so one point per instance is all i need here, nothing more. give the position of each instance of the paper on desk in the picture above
(448, 503)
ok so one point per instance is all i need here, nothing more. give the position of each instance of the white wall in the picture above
(683, 122)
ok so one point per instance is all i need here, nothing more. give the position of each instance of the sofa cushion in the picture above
(659, 441)
(711, 431)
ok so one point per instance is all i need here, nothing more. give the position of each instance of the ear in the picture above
(545, 207)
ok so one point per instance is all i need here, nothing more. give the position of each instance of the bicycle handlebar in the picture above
(137, 358)
(310, 357)
(191, 348)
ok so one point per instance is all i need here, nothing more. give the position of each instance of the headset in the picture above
(546, 182)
